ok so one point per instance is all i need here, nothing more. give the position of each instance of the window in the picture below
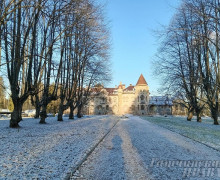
(182, 107)
(142, 107)
(142, 97)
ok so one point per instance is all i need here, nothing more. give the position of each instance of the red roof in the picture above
(141, 81)
(110, 90)
(129, 88)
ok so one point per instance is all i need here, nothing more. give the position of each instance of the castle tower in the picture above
(120, 99)
(141, 81)
(142, 96)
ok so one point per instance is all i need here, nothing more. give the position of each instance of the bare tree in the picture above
(194, 54)
(18, 32)
(53, 64)
(178, 63)
(52, 50)
(207, 41)
(91, 45)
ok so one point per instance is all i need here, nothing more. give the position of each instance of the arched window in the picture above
(142, 97)
(142, 107)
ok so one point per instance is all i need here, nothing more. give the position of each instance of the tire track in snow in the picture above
(135, 168)
(74, 169)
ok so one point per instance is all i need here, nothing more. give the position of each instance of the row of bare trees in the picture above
(52, 50)
(189, 59)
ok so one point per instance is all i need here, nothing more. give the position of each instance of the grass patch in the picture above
(204, 132)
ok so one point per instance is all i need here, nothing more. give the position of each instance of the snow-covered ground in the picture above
(138, 149)
(133, 149)
(49, 151)
(204, 132)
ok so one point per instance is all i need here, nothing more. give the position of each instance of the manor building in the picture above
(134, 99)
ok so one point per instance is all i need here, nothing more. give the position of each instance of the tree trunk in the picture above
(190, 114)
(16, 114)
(199, 119)
(198, 115)
(214, 114)
(37, 107)
(0, 44)
(71, 115)
(37, 114)
(79, 112)
(43, 114)
(60, 113)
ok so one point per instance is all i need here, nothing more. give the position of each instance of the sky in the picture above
(134, 43)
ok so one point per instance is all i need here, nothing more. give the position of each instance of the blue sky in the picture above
(134, 43)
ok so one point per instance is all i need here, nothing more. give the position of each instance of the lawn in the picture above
(48, 151)
(204, 132)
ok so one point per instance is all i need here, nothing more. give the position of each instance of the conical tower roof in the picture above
(141, 81)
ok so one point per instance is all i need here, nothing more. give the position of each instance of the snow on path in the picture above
(138, 149)
(48, 151)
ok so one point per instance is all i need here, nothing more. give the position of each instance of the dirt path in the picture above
(138, 149)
